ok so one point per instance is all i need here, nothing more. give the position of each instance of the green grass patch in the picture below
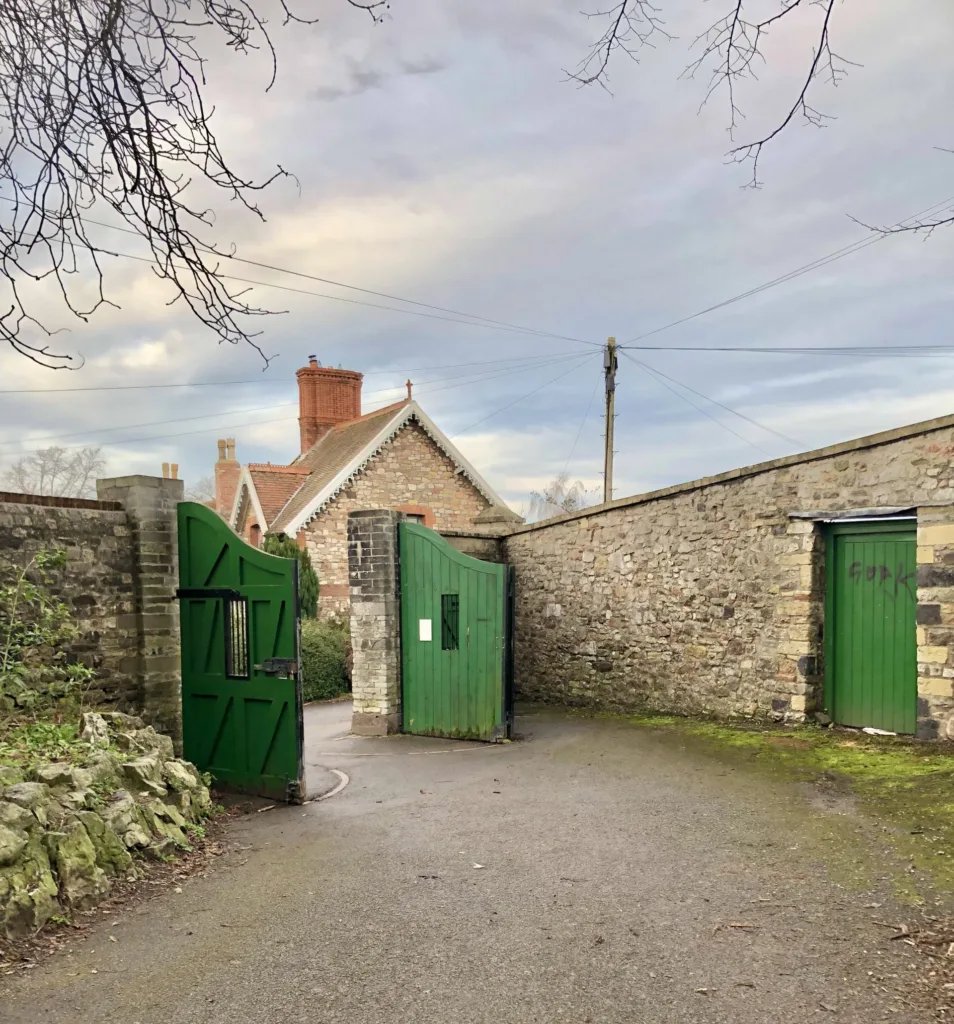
(905, 787)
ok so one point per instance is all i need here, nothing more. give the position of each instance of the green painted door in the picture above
(871, 634)
(454, 640)
(241, 697)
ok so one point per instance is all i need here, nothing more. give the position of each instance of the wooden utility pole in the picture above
(609, 372)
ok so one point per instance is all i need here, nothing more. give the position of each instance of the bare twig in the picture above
(102, 104)
(631, 25)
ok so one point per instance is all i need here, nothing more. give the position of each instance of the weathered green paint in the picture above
(871, 639)
(246, 732)
(456, 691)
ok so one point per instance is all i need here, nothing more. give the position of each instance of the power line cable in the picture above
(270, 380)
(326, 280)
(792, 274)
(586, 415)
(728, 408)
(699, 408)
(360, 302)
(266, 408)
(865, 351)
(521, 398)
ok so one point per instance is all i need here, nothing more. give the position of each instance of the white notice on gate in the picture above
(424, 625)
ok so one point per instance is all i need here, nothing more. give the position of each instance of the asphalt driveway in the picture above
(591, 872)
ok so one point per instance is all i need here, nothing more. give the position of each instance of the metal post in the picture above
(610, 363)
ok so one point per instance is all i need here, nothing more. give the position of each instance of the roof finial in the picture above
(409, 386)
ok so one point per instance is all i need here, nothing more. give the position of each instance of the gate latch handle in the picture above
(283, 668)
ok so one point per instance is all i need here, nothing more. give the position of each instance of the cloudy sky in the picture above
(442, 156)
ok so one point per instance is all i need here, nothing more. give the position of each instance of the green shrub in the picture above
(324, 652)
(285, 547)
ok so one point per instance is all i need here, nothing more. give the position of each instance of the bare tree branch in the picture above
(731, 48)
(102, 105)
(632, 24)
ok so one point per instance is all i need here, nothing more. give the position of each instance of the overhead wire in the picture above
(533, 391)
(272, 380)
(586, 415)
(704, 412)
(728, 408)
(235, 412)
(503, 324)
(822, 261)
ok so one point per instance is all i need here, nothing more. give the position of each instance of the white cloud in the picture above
(441, 157)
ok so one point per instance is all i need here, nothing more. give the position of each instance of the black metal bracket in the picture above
(283, 668)
(199, 592)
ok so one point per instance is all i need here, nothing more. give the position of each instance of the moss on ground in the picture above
(905, 788)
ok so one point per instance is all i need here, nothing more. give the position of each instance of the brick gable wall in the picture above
(410, 474)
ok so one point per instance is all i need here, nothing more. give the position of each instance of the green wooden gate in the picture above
(241, 698)
(871, 645)
(455, 640)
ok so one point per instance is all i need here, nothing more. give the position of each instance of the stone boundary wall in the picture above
(97, 582)
(120, 580)
(708, 597)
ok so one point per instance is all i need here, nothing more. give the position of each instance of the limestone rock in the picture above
(111, 853)
(146, 741)
(64, 776)
(12, 844)
(34, 796)
(76, 799)
(73, 855)
(144, 775)
(27, 891)
(170, 813)
(136, 836)
(120, 722)
(120, 812)
(16, 817)
(104, 770)
(94, 730)
(9, 775)
(181, 775)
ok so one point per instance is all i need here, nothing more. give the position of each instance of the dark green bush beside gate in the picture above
(324, 659)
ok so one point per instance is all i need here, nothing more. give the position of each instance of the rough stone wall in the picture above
(375, 621)
(935, 561)
(478, 545)
(709, 596)
(97, 581)
(410, 471)
(150, 504)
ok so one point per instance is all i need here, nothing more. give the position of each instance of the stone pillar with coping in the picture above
(150, 503)
(374, 583)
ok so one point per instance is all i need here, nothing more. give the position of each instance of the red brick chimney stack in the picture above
(227, 473)
(326, 397)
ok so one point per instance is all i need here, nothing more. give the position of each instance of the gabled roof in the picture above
(345, 450)
(274, 485)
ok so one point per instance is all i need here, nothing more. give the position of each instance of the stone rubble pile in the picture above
(66, 831)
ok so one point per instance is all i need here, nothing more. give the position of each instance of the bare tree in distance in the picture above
(729, 52)
(64, 472)
(102, 108)
(202, 491)
(560, 496)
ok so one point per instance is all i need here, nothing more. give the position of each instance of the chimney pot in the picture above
(165, 471)
(221, 444)
(174, 470)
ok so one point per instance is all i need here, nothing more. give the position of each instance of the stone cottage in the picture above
(395, 458)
